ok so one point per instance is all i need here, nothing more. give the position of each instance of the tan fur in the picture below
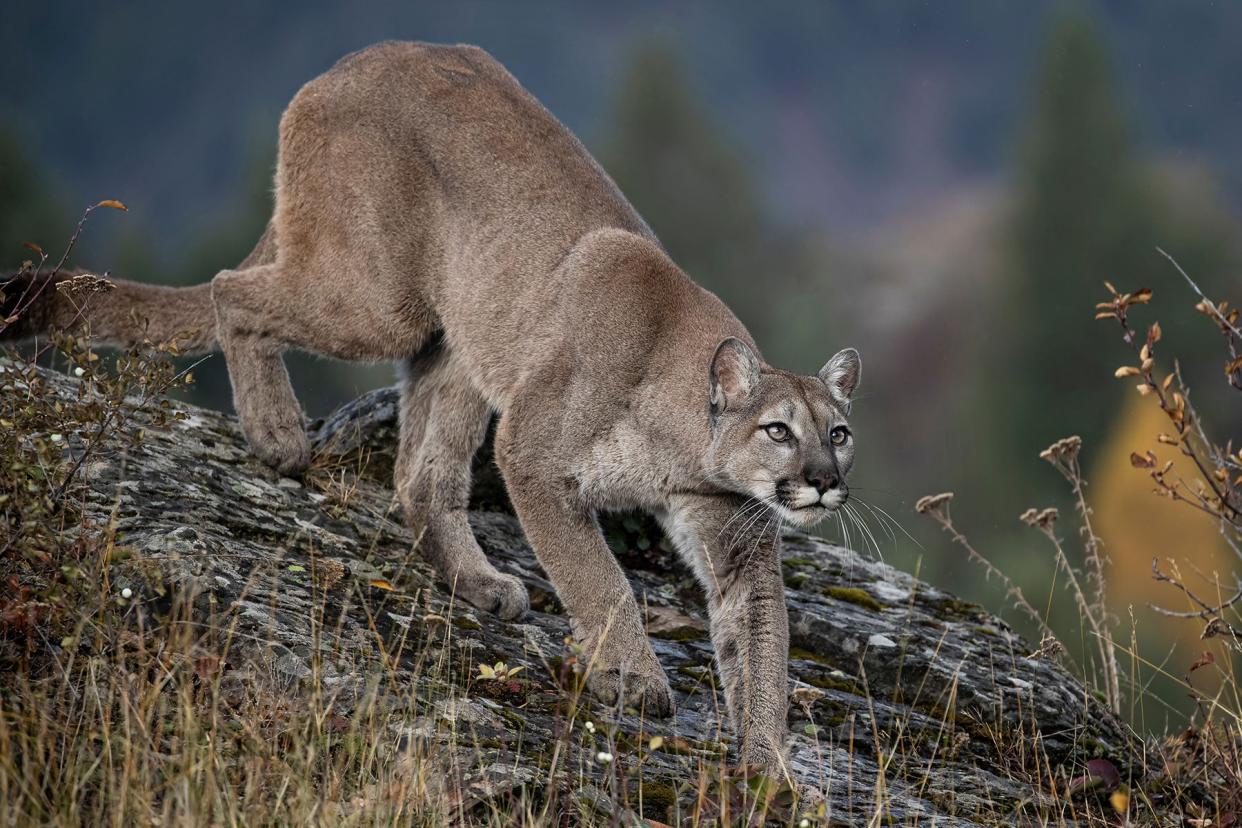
(430, 211)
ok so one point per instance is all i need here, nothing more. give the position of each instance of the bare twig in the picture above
(937, 508)
(1195, 288)
(1207, 611)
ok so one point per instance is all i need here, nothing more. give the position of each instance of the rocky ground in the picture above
(906, 701)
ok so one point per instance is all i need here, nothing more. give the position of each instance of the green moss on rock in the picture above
(831, 683)
(794, 580)
(658, 799)
(854, 595)
(684, 633)
(807, 655)
(800, 562)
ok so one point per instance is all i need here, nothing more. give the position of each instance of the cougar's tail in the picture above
(115, 311)
(112, 311)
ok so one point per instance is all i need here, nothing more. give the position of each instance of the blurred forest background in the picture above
(944, 186)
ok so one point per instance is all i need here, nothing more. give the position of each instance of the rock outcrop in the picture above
(906, 700)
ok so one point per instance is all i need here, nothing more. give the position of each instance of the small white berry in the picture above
(78, 372)
(127, 593)
(590, 726)
(805, 823)
(603, 757)
(56, 438)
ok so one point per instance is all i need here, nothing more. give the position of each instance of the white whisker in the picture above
(845, 530)
(750, 523)
(775, 538)
(888, 530)
(861, 523)
(894, 522)
(747, 505)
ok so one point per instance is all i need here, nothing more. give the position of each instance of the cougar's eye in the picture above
(839, 435)
(777, 431)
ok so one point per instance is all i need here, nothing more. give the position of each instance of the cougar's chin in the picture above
(804, 516)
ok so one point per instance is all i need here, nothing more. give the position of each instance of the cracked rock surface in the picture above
(904, 698)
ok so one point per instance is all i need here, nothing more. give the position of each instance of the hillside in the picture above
(302, 597)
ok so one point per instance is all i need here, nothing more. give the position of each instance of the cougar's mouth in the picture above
(803, 505)
(795, 505)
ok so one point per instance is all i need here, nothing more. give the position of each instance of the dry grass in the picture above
(110, 717)
(1194, 775)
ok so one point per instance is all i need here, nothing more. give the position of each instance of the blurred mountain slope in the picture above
(849, 112)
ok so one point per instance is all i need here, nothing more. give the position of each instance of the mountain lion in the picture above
(431, 212)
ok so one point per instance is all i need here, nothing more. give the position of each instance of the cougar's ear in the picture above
(734, 374)
(842, 372)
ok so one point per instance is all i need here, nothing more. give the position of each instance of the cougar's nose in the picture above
(823, 480)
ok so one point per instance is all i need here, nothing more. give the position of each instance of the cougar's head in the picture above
(781, 437)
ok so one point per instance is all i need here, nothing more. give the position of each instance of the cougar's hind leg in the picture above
(253, 337)
(443, 422)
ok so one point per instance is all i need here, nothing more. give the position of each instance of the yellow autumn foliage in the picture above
(1137, 525)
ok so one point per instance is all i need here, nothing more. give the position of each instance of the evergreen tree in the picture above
(689, 183)
(1083, 216)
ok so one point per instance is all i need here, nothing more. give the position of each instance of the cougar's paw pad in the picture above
(502, 595)
(647, 692)
(281, 444)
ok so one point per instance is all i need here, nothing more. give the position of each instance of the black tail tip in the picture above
(25, 306)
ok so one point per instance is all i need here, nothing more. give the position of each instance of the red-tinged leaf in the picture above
(1233, 365)
(1141, 296)
(1202, 661)
(33, 246)
(1101, 776)
(113, 203)
(1106, 771)
(1140, 462)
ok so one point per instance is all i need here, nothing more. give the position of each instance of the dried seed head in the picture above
(1042, 519)
(1066, 448)
(1049, 648)
(933, 503)
(85, 284)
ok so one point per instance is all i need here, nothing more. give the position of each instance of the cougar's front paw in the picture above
(646, 690)
(502, 595)
(765, 751)
(280, 442)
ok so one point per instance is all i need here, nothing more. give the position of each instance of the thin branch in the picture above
(1207, 610)
(1223, 321)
